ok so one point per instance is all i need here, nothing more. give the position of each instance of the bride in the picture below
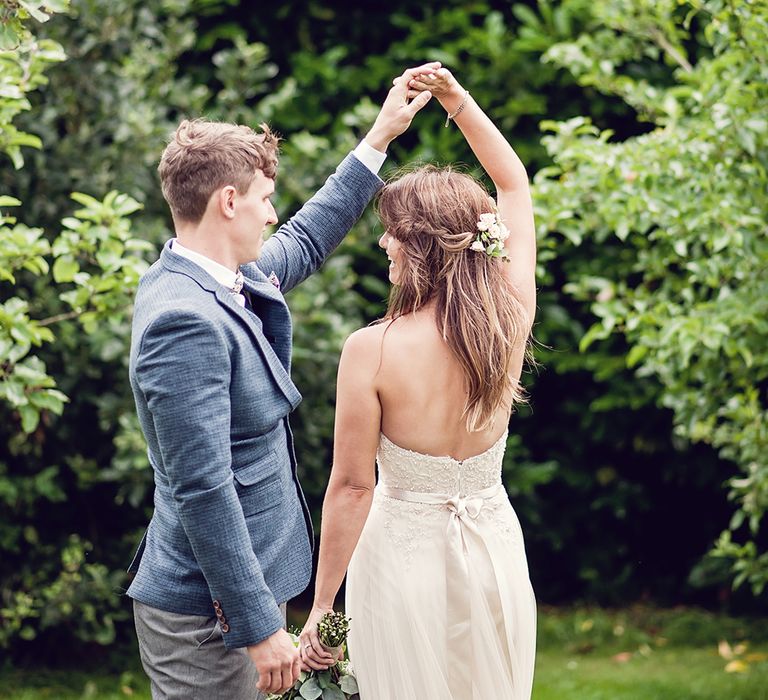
(438, 592)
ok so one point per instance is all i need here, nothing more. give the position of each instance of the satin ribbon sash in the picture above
(462, 528)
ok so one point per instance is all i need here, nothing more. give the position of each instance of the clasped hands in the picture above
(410, 92)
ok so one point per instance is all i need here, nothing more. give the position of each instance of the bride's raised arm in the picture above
(505, 169)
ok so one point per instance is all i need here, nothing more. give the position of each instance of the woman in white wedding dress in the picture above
(438, 591)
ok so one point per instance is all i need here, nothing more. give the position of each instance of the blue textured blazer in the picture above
(231, 532)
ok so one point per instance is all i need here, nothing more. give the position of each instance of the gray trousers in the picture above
(185, 658)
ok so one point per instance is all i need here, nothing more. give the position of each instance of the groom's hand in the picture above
(397, 112)
(277, 662)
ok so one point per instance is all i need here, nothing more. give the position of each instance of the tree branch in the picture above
(58, 317)
(658, 36)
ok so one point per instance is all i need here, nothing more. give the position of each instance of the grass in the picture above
(73, 685)
(643, 653)
(638, 653)
(669, 674)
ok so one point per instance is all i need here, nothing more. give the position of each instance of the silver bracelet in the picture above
(459, 110)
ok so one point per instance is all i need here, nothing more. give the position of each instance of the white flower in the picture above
(486, 221)
(491, 236)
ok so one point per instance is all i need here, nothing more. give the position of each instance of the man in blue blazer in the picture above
(230, 541)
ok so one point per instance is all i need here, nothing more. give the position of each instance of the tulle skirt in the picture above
(401, 597)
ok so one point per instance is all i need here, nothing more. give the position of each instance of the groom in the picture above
(230, 540)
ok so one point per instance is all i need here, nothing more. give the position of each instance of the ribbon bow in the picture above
(464, 506)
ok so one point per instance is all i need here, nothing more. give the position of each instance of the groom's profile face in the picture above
(255, 212)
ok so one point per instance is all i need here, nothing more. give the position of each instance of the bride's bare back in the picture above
(421, 390)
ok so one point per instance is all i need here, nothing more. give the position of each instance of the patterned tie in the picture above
(238, 285)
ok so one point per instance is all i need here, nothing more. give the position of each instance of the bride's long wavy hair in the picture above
(433, 212)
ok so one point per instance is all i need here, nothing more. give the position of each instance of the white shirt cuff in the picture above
(370, 157)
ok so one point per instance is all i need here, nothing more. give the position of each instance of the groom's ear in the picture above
(226, 198)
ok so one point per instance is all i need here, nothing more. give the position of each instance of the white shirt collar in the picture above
(223, 275)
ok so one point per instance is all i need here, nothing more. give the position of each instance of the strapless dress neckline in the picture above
(502, 440)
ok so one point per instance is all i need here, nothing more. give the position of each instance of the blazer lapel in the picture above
(271, 308)
(277, 355)
(279, 369)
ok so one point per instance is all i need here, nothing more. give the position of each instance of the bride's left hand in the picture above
(313, 654)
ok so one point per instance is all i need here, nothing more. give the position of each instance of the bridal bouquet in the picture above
(336, 682)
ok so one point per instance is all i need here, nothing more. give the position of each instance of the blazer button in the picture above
(225, 627)
(216, 604)
(220, 613)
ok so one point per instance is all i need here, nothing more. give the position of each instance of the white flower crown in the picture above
(491, 236)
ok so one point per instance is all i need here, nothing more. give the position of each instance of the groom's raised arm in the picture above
(300, 246)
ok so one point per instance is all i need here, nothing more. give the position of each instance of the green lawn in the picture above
(671, 674)
(62, 685)
(584, 654)
(643, 653)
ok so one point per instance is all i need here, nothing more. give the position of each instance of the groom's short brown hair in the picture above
(204, 156)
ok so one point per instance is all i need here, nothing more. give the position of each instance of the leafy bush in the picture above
(680, 214)
(45, 580)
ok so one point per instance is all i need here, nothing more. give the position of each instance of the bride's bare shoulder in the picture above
(393, 338)
(363, 347)
(366, 337)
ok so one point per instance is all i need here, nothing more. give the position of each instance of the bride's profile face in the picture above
(393, 248)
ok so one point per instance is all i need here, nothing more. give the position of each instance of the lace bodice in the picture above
(414, 471)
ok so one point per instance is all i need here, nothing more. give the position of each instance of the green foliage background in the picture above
(650, 186)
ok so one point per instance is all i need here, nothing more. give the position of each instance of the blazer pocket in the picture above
(259, 486)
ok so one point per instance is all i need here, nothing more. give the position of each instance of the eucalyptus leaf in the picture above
(310, 689)
(333, 693)
(324, 679)
(348, 684)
